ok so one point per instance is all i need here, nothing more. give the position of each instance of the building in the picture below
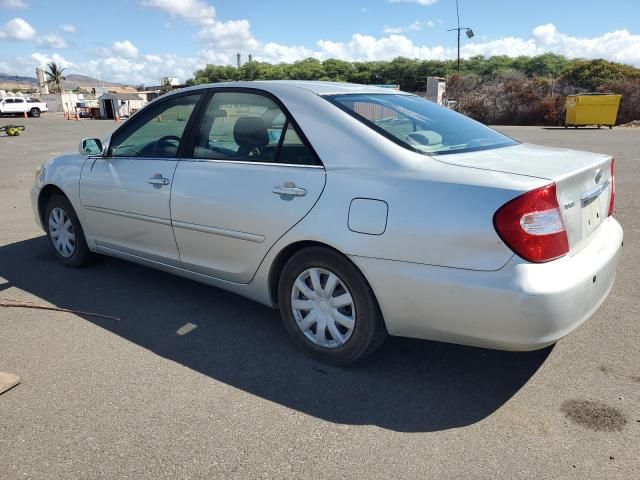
(436, 90)
(68, 102)
(149, 95)
(122, 104)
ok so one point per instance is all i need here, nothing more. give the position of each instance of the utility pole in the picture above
(469, 32)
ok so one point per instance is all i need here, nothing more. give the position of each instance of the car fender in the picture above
(64, 172)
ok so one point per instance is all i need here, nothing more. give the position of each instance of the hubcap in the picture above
(61, 231)
(323, 307)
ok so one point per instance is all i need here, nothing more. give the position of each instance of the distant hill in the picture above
(76, 80)
(7, 82)
(5, 77)
(73, 80)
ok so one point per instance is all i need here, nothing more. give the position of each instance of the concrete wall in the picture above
(62, 103)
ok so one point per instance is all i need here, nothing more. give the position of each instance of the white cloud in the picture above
(366, 47)
(229, 35)
(276, 53)
(419, 2)
(618, 46)
(509, 46)
(17, 29)
(40, 59)
(195, 11)
(51, 41)
(392, 30)
(125, 49)
(68, 28)
(13, 4)
(220, 39)
(153, 58)
(413, 27)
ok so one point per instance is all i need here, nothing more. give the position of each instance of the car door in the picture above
(9, 105)
(125, 194)
(20, 105)
(250, 177)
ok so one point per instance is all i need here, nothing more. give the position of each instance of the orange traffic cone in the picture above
(25, 115)
(117, 118)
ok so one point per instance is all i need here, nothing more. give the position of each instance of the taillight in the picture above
(612, 189)
(531, 225)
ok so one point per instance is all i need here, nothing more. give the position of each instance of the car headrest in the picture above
(250, 132)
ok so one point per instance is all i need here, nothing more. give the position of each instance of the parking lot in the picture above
(194, 382)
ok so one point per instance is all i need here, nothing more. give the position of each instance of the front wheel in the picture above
(34, 112)
(328, 307)
(65, 233)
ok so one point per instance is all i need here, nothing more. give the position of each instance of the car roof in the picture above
(317, 87)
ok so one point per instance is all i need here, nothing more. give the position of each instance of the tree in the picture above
(590, 75)
(338, 70)
(545, 65)
(55, 77)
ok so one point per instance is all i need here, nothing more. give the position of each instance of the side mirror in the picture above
(91, 146)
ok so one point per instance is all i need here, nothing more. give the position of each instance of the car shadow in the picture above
(408, 385)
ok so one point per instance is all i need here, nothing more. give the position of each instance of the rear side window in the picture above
(249, 127)
(420, 124)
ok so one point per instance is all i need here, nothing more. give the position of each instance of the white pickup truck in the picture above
(19, 105)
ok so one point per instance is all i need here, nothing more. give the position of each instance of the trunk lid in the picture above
(583, 181)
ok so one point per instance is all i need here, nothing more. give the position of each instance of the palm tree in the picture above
(55, 77)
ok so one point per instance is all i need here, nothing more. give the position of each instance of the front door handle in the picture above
(158, 180)
(289, 189)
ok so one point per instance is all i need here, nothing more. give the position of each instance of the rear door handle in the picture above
(291, 191)
(158, 180)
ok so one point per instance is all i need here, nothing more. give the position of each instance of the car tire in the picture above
(34, 112)
(65, 233)
(350, 332)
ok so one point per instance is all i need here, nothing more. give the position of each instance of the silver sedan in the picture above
(357, 211)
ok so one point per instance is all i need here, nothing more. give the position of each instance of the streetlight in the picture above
(468, 31)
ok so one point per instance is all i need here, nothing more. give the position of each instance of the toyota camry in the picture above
(358, 211)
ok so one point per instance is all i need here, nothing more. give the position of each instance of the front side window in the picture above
(420, 124)
(157, 133)
(249, 127)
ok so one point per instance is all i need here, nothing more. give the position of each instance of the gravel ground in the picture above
(194, 382)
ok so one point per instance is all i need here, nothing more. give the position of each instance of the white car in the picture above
(358, 211)
(21, 105)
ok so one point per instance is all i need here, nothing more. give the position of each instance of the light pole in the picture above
(468, 31)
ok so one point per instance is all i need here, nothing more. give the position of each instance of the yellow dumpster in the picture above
(592, 109)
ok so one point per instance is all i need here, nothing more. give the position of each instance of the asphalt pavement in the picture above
(194, 382)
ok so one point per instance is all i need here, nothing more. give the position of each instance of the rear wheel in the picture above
(65, 233)
(34, 112)
(328, 307)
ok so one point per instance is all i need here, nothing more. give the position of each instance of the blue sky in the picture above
(136, 41)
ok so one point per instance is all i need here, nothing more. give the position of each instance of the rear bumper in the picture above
(522, 306)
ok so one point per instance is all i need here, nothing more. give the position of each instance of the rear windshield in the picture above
(420, 124)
